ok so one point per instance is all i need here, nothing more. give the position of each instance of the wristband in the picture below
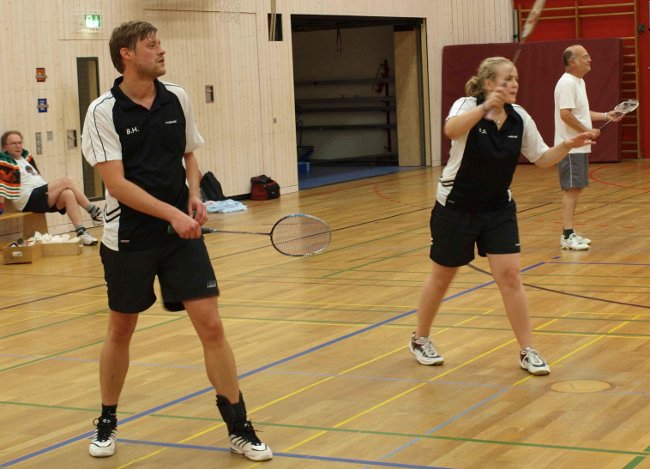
(606, 116)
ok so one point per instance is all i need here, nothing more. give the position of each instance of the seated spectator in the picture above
(21, 182)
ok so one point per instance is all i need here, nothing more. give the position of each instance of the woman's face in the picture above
(506, 78)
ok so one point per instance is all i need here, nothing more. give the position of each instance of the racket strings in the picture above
(627, 106)
(300, 235)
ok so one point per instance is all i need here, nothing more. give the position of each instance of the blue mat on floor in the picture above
(324, 175)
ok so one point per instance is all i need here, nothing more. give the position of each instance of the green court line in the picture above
(55, 323)
(445, 326)
(635, 462)
(58, 407)
(74, 349)
(641, 455)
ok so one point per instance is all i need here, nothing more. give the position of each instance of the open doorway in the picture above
(360, 93)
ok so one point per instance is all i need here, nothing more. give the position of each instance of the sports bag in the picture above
(264, 188)
(211, 188)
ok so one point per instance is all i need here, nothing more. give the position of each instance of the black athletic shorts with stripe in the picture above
(454, 234)
(183, 268)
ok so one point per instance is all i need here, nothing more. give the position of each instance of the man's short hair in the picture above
(127, 35)
(5, 136)
(569, 53)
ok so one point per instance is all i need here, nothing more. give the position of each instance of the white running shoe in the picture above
(573, 243)
(102, 444)
(532, 361)
(582, 239)
(87, 239)
(244, 441)
(424, 351)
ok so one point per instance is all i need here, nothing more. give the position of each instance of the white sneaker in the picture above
(532, 361)
(573, 243)
(102, 444)
(87, 239)
(582, 239)
(424, 351)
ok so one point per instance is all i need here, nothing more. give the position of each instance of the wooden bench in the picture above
(31, 221)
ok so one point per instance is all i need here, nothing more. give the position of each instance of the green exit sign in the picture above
(92, 21)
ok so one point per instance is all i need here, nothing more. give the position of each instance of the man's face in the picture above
(14, 145)
(581, 62)
(148, 57)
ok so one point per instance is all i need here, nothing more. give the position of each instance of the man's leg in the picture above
(222, 373)
(114, 360)
(55, 188)
(569, 204)
(64, 192)
(219, 358)
(113, 366)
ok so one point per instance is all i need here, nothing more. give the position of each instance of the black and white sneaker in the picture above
(532, 361)
(243, 440)
(102, 443)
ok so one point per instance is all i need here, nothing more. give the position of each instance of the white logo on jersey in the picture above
(132, 130)
(211, 284)
(170, 122)
(482, 130)
(513, 136)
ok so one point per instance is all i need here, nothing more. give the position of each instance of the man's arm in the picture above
(569, 119)
(128, 193)
(196, 205)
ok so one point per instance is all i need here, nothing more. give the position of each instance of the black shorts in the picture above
(37, 202)
(454, 234)
(183, 268)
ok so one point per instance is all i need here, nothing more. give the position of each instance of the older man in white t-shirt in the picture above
(573, 116)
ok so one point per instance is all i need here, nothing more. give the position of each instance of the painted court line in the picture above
(244, 375)
(285, 455)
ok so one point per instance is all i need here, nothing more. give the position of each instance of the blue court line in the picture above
(284, 455)
(244, 375)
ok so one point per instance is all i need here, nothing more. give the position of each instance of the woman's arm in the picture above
(555, 154)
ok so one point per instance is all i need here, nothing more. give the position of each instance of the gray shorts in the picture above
(574, 171)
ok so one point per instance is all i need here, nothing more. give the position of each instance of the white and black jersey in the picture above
(482, 162)
(151, 144)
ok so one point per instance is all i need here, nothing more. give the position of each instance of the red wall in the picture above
(610, 19)
(539, 67)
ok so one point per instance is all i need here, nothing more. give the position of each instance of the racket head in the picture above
(626, 106)
(300, 235)
(532, 19)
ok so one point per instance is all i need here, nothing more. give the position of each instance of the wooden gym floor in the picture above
(321, 343)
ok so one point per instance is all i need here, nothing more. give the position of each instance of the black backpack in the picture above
(211, 188)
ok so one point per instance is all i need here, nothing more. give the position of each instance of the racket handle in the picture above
(204, 230)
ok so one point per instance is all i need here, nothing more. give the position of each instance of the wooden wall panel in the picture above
(250, 129)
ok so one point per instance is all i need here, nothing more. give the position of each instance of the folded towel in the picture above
(224, 206)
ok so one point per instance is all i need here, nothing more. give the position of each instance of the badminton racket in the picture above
(623, 108)
(529, 25)
(297, 235)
